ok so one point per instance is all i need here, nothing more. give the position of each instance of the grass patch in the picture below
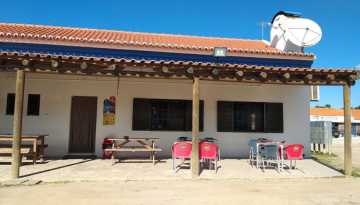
(328, 159)
(333, 161)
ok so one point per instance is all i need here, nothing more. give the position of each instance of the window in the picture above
(10, 104)
(341, 127)
(169, 115)
(33, 107)
(250, 117)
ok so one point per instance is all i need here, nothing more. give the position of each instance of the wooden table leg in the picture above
(113, 153)
(154, 158)
(34, 150)
(153, 152)
(42, 149)
(113, 158)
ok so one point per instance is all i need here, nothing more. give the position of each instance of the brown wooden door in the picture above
(83, 124)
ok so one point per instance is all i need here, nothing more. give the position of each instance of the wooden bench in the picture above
(145, 147)
(25, 146)
(22, 146)
(134, 149)
(23, 151)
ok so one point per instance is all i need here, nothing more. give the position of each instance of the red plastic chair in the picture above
(294, 152)
(181, 150)
(209, 151)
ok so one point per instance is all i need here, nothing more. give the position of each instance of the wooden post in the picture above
(347, 130)
(195, 130)
(19, 99)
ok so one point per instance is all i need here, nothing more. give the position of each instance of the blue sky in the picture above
(339, 21)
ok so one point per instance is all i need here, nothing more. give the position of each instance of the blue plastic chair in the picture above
(269, 153)
(253, 151)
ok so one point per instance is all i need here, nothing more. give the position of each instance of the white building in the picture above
(258, 92)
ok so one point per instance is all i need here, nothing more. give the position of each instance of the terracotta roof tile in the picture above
(356, 114)
(326, 111)
(168, 41)
(334, 112)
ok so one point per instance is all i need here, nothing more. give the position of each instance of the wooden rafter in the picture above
(245, 74)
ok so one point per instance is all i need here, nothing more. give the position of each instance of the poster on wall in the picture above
(109, 111)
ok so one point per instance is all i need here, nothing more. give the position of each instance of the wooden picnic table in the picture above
(33, 138)
(144, 147)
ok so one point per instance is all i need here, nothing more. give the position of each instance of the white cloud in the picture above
(358, 67)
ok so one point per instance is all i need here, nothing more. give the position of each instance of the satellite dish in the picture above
(303, 32)
(291, 33)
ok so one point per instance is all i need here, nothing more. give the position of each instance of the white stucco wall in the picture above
(56, 92)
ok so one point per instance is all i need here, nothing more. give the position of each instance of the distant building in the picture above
(336, 116)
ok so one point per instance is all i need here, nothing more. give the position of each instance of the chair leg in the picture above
(199, 167)
(290, 166)
(215, 166)
(174, 161)
(219, 155)
(263, 166)
(279, 164)
(250, 158)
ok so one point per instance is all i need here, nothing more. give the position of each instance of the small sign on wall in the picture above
(109, 111)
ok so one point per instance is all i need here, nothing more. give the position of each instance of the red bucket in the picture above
(107, 144)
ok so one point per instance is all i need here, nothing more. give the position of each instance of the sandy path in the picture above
(239, 191)
(215, 191)
(338, 148)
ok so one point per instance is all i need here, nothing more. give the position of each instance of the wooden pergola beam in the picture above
(172, 66)
(250, 77)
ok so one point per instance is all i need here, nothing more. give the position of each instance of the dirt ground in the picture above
(338, 148)
(335, 190)
(237, 191)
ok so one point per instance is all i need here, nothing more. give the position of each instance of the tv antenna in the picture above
(263, 26)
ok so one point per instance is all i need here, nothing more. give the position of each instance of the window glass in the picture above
(341, 127)
(10, 104)
(33, 104)
(168, 115)
(248, 117)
